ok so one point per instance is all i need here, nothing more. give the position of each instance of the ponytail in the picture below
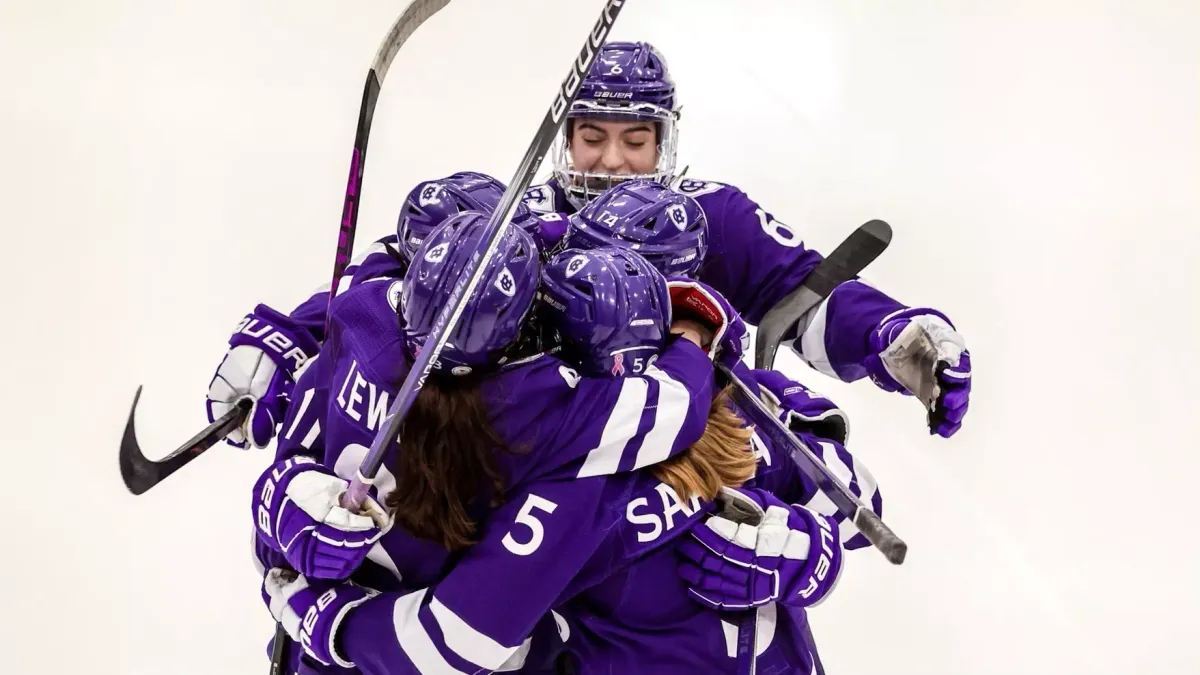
(722, 456)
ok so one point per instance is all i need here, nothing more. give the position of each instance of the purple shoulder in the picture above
(705, 191)
(531, 404)
(364, 321)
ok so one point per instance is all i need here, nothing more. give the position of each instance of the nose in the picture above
(613, 159)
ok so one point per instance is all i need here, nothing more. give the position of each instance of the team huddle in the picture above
(569, 492)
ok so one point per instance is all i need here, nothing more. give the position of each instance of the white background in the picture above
(166, 165)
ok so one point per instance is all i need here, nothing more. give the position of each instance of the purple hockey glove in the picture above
(265, 354)
(691, 299)
(801, 408)
(311, 611)
(899, 363)
(549, 233)
(791, 555)
(296, 509)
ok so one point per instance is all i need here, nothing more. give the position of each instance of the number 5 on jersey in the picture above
(527, 518)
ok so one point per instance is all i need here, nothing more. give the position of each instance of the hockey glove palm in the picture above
(896, 359)
(695, 300)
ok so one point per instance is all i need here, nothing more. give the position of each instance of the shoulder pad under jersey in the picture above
(697, 188)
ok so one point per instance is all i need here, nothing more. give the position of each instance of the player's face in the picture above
(606, 146)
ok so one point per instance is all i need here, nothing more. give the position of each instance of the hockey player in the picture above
(542, 409)
(566, 532)
(268, 347)
(623, 125)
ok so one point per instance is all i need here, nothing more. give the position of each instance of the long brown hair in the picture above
(446, 464)
(722, 456)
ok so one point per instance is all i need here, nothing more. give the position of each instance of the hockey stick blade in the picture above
(464, 286)
(141, 473)
(414, 15)
(846, 261)
(847, 503)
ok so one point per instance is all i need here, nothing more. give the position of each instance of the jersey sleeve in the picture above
(781, 475)
(480, 616)
(612, 425)
(755, 261)
(301, 430)
(380, 260)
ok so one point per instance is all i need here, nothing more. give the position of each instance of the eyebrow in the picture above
(593, 127)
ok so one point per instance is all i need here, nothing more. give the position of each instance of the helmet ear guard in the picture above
(605, 304)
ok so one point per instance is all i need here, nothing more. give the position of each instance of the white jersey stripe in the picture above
(467, 642)
(673, 403)
(413, 639)
(622, 425)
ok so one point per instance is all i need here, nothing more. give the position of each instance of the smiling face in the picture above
(613, 147)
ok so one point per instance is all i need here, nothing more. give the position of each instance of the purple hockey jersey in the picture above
(600, 551)
(755, 260)
(638, 617)
(380, 260)
(578, 532)
(571, 428)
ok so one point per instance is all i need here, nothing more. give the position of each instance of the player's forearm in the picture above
(834, 338)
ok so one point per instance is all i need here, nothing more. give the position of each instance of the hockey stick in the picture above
(141, 473)
(848, 504)
(845, 262)
(460, 294)
(415, 14)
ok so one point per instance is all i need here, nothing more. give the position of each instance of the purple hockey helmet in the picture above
(608, 306)
(666, 227)
(431, 202)
(628, 81)
(496, 310)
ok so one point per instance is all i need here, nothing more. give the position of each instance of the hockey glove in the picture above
(311, 611)
(756, 549)
(691, 299)
(896, 358)
(265, 353)
(802, 409)
(296, 510)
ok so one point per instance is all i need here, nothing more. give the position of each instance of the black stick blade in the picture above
(140, 473)
(847, 261)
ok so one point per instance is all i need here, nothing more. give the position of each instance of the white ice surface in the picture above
(166, 165)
